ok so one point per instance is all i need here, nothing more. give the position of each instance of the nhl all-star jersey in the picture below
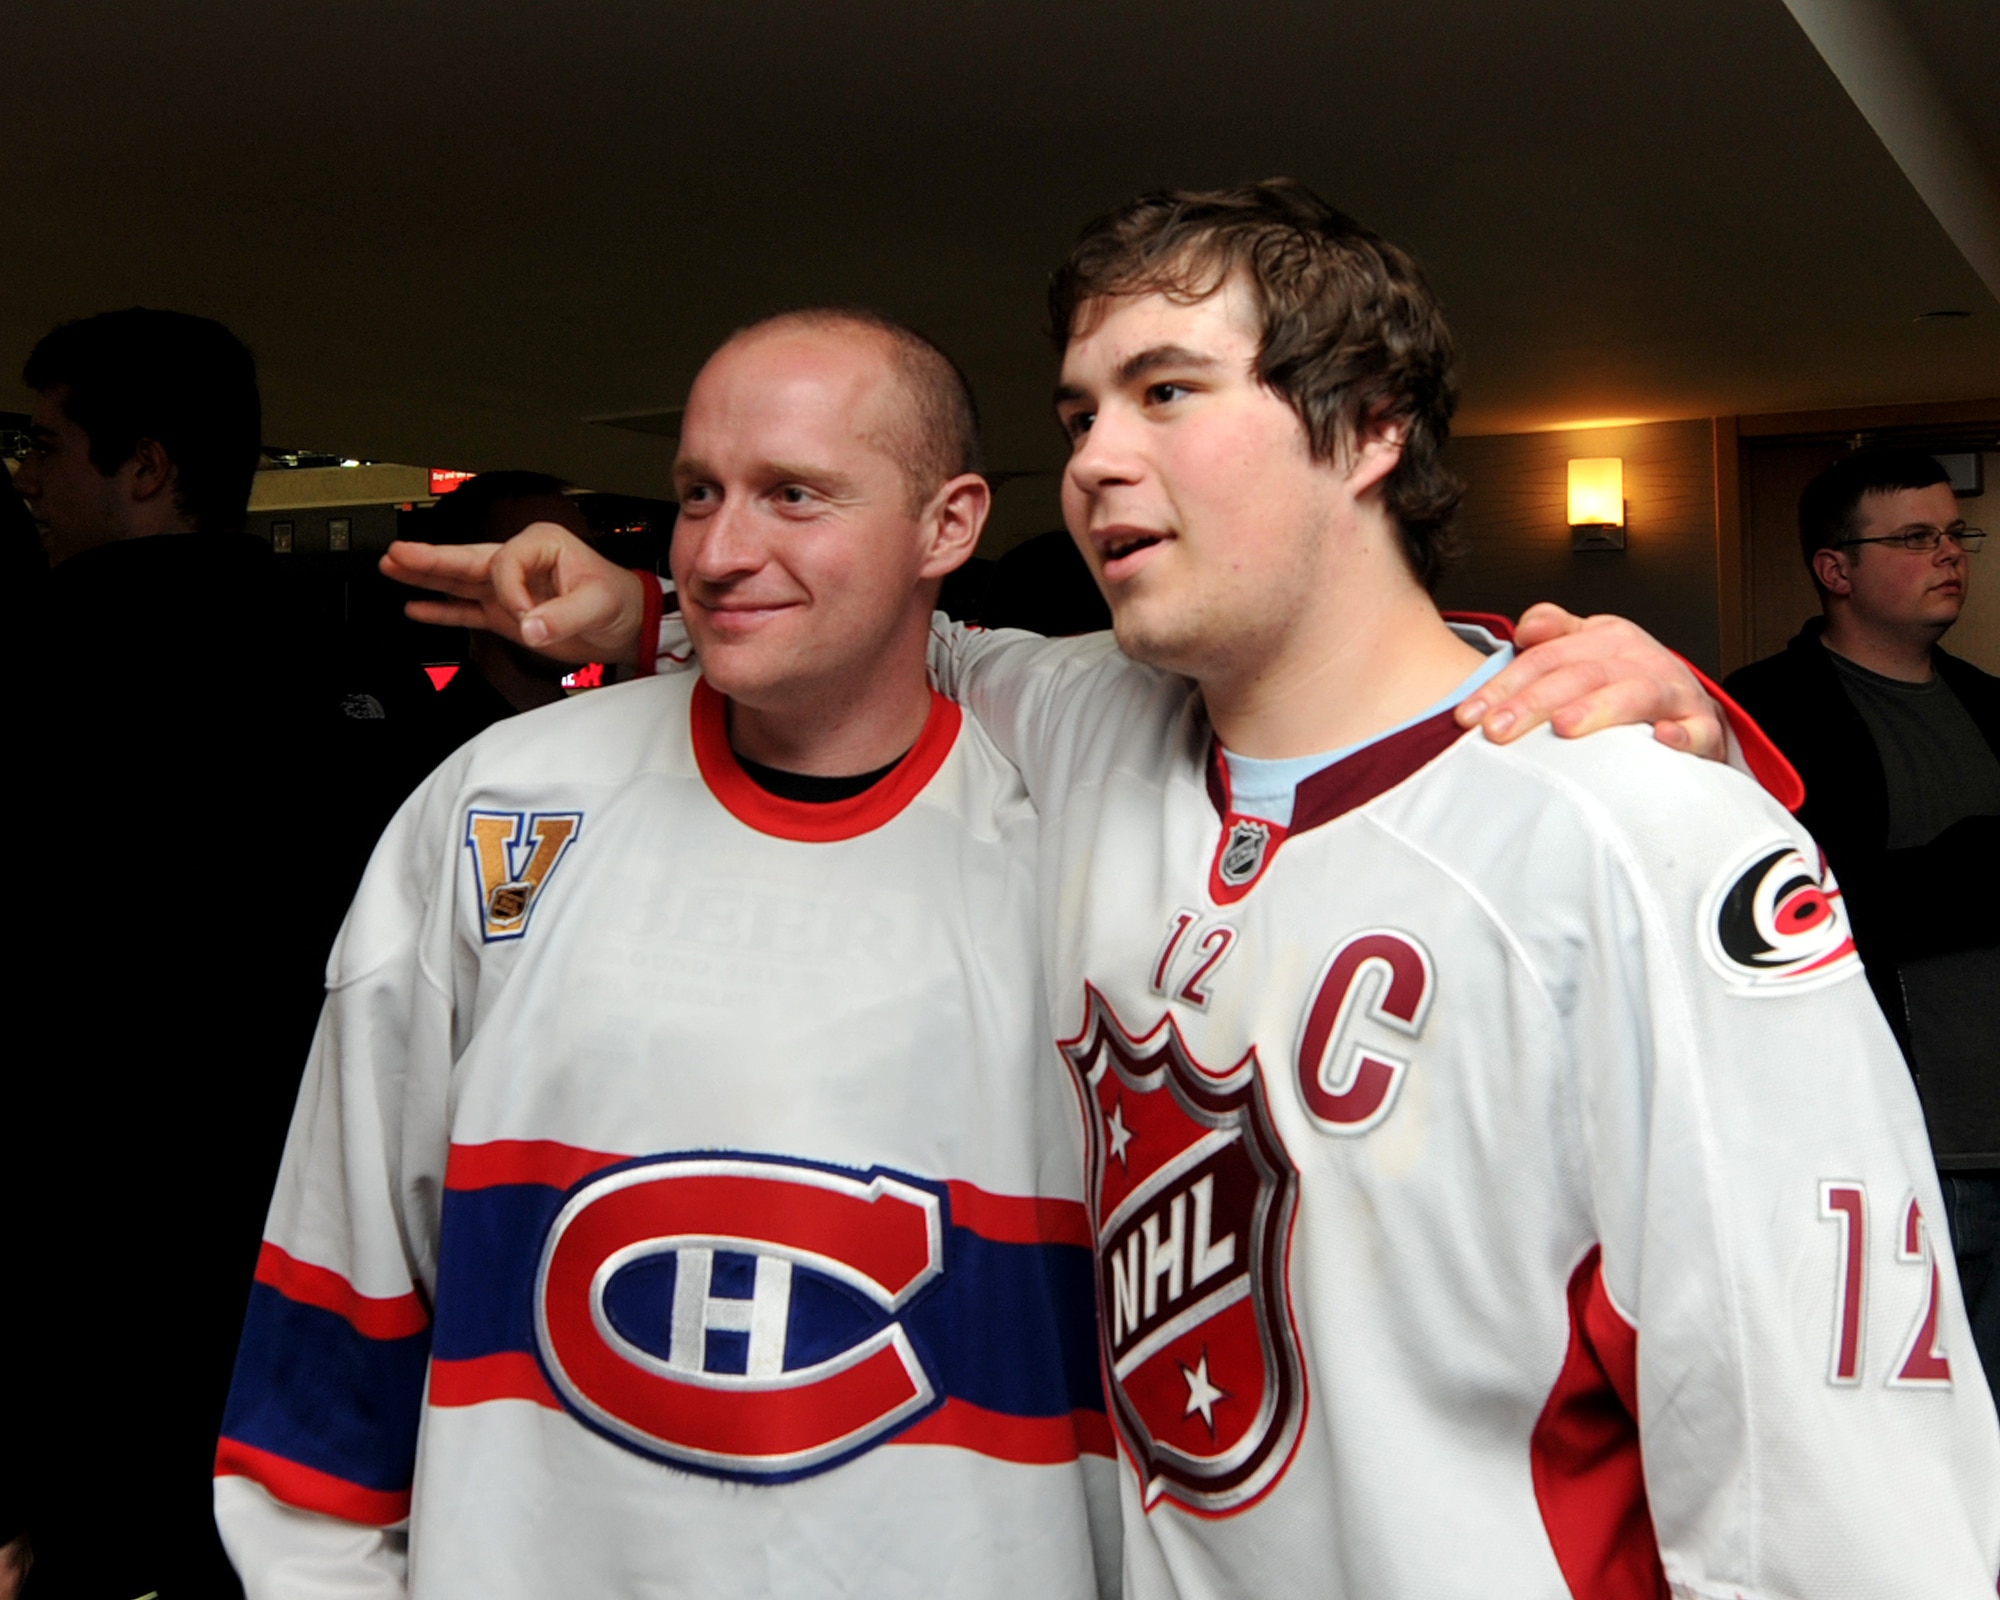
(1501, 1180)
(683, 1198)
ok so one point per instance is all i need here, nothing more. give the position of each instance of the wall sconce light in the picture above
(1597, 503)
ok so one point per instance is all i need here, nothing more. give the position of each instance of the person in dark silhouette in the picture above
(196, 813)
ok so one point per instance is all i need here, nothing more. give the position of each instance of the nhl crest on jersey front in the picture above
(1192, 1198)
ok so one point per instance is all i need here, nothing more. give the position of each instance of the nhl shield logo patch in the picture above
(1242, 855)
(1192, 1198)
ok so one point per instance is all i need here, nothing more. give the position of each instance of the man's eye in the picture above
(793, 495)
(1160, 394)
(1077, 424)
(696, 494)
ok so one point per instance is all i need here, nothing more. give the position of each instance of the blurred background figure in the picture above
(202, 788)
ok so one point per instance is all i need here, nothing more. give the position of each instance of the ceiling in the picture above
(452, 231)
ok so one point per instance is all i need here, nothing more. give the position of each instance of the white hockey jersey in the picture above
(1502, 1181)
(683, 1198)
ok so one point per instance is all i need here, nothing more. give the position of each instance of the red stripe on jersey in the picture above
(1502, 628)
(802, 820)
(504, 1161)
(1019, 1219)
(510, 1375)
(1032, 1441)
(651, 601)
(309, 1489)
(1585, 1454)
(376, 1317)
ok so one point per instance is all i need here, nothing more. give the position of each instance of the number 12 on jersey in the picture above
(1922, 1362)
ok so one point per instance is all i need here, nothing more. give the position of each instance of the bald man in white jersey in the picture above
(1499, 1178)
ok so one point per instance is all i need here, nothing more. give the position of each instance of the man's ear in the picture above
(149, 471)
(1374, 452)
(1830, 567)
(954, 522)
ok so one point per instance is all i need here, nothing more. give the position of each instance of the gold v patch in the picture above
(514, 855)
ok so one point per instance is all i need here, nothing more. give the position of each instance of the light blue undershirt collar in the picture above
(1259, 788)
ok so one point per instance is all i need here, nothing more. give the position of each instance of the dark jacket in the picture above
(1929, 900)
(197, 787)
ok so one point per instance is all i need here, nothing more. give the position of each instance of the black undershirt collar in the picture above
(810, 788)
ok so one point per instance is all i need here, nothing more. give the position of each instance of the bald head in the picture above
(929, 422)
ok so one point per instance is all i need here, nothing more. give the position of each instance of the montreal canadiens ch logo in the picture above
(737, 1315)
(1773, 920)
(1192, 1198)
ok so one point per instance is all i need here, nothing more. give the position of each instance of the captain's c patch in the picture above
(514, 854)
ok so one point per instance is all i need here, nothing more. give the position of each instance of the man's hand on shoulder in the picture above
(1582, 674)
(544, 588)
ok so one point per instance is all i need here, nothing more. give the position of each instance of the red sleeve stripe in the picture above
(649, 621)
(1766, 761)
(510, 1375)
(309, 1489)
(1032, 1441)
(395, 1317)
(505, 1161)
(1018, 1219)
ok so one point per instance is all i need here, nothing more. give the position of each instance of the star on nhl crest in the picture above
(1202, 1394)
(1119, 1134)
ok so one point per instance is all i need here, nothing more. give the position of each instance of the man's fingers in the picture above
(572, 626)
(1701, 735)
(1543, 621)
(454, 567)
(446, 613)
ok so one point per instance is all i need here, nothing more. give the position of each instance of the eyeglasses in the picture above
(1926, 539)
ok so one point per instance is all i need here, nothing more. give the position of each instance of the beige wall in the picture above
(1518, 541)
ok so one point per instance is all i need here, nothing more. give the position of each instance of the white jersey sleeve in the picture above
(319, 1442)
(1812, 1414)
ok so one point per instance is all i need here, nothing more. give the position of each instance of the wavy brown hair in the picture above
(1352, 335)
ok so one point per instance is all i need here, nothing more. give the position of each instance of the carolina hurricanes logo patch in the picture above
(513, 855)
(1773, 921)
(1191, 1198)
(738, 1315)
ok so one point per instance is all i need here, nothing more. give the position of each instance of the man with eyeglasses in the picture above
(1899, 746)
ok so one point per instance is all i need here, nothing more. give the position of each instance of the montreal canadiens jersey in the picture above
(683, 1198)
(1501, 1180)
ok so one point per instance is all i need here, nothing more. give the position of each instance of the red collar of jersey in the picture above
(1248, 844)
(799, 819)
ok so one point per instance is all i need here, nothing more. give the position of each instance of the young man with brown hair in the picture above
(1500, 1177)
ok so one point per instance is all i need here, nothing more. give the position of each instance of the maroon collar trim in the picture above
(799, 819)
(1248, 845)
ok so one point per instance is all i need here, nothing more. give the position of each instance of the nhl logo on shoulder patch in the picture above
(513, 855)
(1775, 922)
(1191, 1198)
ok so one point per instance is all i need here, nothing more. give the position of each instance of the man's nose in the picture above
(1106, 456)
(725, 543)
(28, 478)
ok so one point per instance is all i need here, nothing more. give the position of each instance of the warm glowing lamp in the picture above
(1597, 503)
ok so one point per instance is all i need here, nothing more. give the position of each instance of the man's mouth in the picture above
(1121, 549)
